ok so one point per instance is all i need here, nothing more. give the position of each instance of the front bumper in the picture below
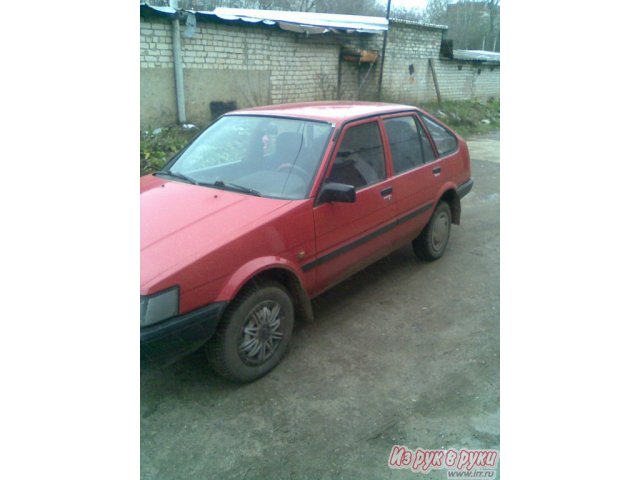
(168, 341)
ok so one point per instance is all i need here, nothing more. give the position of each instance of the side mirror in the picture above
(337, 192)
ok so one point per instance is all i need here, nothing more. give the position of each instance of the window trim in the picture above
(434, 148)
(336, 148)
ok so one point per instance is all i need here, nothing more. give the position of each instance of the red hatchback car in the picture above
(271, 206)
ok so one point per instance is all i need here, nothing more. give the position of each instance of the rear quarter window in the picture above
(445, 141)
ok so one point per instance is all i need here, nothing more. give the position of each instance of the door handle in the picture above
(437, 171)
(386, 192)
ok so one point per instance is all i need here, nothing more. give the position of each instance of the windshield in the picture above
(265, 156)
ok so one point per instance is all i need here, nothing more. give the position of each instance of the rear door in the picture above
(416, 173)
(349, 236)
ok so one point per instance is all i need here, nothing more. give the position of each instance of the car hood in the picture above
(180, 222)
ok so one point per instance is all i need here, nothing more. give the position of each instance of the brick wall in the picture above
(486, 81)
(296, 64)
(257, 65)
(248, 64)
(410, 44)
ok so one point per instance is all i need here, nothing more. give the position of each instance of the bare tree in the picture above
(436, 11)
(413, 14)
(352, 7)
(473, 24)
(494, 23)
(291, 5)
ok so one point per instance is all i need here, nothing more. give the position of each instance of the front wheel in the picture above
(254, 333)
(433, 239)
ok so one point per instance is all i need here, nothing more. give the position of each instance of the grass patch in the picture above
(159, 145)
(467, 117)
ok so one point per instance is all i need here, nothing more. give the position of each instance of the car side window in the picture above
(445, 141)
(407, 148)
(360, 159)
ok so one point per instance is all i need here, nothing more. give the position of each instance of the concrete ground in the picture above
(402, 353)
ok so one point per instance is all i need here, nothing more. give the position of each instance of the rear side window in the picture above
(360, 160)
(407, 142)
(445, 142)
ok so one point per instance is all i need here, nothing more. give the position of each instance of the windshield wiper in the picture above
(233, 186)
(178, 175)
(217, 183)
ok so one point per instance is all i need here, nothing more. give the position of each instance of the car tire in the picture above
(432, 241)
(259, 316)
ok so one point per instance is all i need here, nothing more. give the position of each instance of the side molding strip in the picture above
(361, 241)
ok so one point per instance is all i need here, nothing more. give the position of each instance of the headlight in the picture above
(159, 306)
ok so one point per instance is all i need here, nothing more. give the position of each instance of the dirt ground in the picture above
(402, 353)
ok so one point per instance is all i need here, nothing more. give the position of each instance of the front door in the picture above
(351, 235)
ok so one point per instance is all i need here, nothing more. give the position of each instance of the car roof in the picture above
(335, 112)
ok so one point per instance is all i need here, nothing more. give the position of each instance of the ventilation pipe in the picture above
(384, 49)
(177, 67)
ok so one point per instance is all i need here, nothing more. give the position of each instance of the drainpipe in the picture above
(177, 68)
(384, 48)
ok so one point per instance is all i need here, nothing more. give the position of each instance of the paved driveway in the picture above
(402, 353)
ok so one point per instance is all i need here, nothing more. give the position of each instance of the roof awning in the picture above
(299, 22)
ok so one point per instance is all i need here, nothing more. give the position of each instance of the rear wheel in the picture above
(432, 241)
(254, 333)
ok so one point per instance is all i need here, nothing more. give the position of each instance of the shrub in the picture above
(160, 145)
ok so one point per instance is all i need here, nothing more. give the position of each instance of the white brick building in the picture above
(253, 64)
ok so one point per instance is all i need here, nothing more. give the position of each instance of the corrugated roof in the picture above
(418, 24)
(300, 22)
(476, 55)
